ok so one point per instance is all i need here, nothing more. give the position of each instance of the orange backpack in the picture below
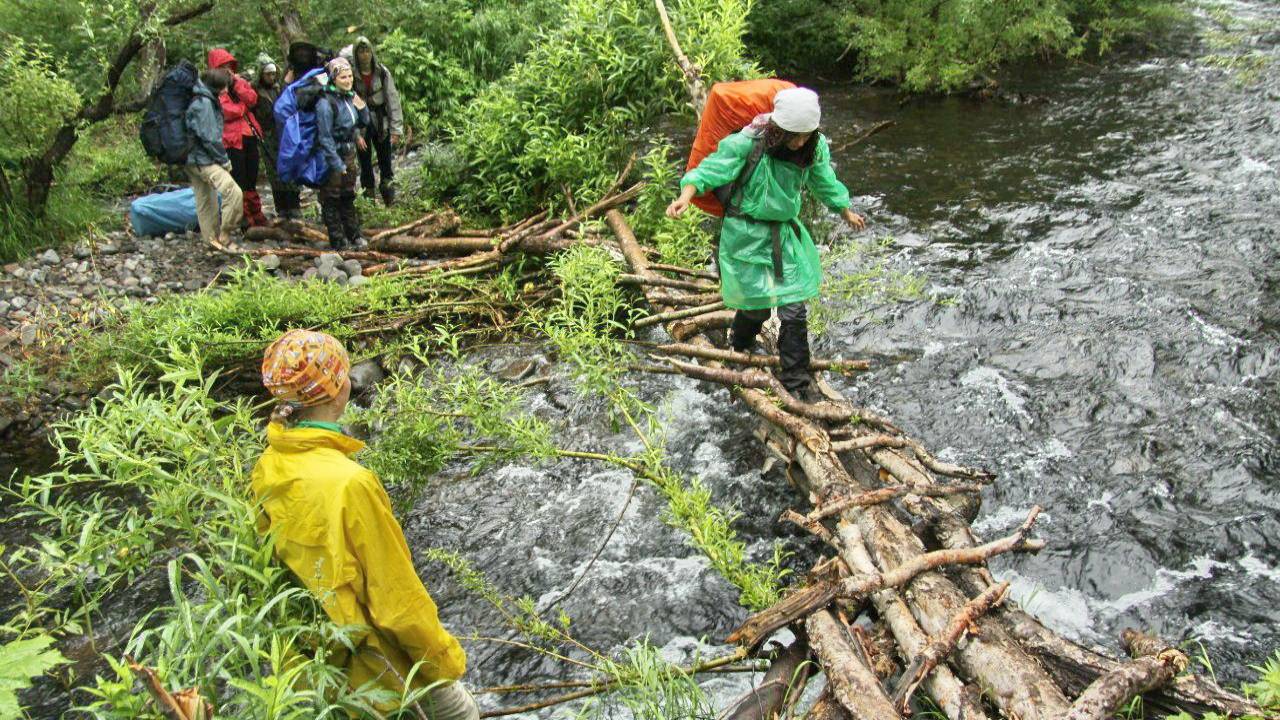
(731, 106)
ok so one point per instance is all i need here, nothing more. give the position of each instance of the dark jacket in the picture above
(204, 124)
(264, 111)
(387, 117)
(338, 122)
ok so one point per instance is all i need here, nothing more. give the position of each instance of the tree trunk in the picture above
(851, 681)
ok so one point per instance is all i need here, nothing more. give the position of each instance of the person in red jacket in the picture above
(241, 133)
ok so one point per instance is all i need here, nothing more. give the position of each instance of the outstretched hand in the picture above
(677, 207)
(856, 221)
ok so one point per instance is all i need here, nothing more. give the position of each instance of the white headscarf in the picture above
(796, 110)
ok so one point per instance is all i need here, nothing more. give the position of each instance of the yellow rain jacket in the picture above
(334, 529)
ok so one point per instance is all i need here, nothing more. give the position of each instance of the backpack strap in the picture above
(732, 199)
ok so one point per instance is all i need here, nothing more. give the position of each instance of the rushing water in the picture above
(1109, 348)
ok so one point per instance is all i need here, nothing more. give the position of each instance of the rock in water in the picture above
(365, 375)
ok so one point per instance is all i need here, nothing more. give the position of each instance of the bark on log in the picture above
(942, 646)
(883, 495)
(827, 708)
(956, 701)
(1154, 665)
(687, 300)
(850, 680)
(783, 682)
(688, 272)
(876, 442)
(316, 252)
(685, 329)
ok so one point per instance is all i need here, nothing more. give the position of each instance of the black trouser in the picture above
(381, 143)
(338, 205)
(245, 163)
(793, 340)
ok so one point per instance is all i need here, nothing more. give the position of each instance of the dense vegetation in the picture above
(518, 102)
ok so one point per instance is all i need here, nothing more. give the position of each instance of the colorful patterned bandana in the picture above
(305, 367)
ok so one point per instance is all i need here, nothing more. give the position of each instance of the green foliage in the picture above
(38, 101)
(1232, 41)
(20, 661)
(683, 241)
(652, 688)
(1266, 691)
(856, 277)
(560, 120)
(109, 162)
(146, 474)
(928, 46)
(422, 422)
(432, 84)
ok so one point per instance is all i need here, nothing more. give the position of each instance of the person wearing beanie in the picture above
(377, 87)
(340, 117)
(766, 257)
(267, 85)
(240, 133)
(332, 525)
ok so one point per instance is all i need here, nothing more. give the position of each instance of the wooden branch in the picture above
(678, 314)
(676, 269)
(902, 574)
(612, 201)
(883, 495)
(692, 73)
(685, 300)
(874, 130)
(684, 329)
(1154, 666)
(182, 705)
(816, 529)
(851, 681)
(809, 599)
(761, 361)
(941, 646)
(658, 281)
(438, 222)
(317, 252)
(873, 442)
(782, 685)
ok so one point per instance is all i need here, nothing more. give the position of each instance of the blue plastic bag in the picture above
(299, 159)
(162, 213)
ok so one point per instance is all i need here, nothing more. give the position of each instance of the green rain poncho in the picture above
(747, 279)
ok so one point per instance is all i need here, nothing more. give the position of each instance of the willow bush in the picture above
(561, 121)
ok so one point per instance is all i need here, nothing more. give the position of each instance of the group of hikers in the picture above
(330, 518)
(233, 128)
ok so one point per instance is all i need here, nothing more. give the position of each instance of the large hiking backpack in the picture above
(730, 107)
(299, 159)
(164, 125)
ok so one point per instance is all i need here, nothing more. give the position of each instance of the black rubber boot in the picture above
(388, 194)
(350, 218)
(793, 349)
(746, 326)
(331, 214)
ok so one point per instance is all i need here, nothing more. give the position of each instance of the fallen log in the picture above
(942, 646)
(851, 681)
(611, 201)
(369, 255)
(413, 245)
(688, 300)
(1153, 666)
(689, 272)
(659, 281)
(876, 442)
(429, 225)
(684, 329)
(678, 314)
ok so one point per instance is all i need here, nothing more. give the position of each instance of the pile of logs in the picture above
(922, 588)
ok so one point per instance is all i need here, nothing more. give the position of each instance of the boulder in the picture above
(50, 257)
(365, 375)
(351, 267)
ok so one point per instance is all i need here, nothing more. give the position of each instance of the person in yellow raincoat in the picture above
(333, 527)
(767, 258)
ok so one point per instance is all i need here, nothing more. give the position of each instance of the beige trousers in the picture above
(208, 182)
(450, 701)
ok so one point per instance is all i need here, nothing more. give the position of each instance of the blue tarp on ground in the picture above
(164, 213)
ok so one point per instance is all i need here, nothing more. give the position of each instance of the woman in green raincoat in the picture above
(767, 258)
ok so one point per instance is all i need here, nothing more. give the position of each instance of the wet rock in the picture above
(81, 251)
(269, 262)
(365, 375)
(50, 257)
(28, 334)
(109, 248)
(351, 267)
(512, 371)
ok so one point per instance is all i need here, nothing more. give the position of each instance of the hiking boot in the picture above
(388, 194)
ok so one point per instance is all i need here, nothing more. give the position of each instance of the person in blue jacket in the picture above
(340, 118)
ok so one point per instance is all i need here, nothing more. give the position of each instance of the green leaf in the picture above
(20, 662)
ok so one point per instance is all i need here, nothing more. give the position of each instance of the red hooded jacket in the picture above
(237, 115)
